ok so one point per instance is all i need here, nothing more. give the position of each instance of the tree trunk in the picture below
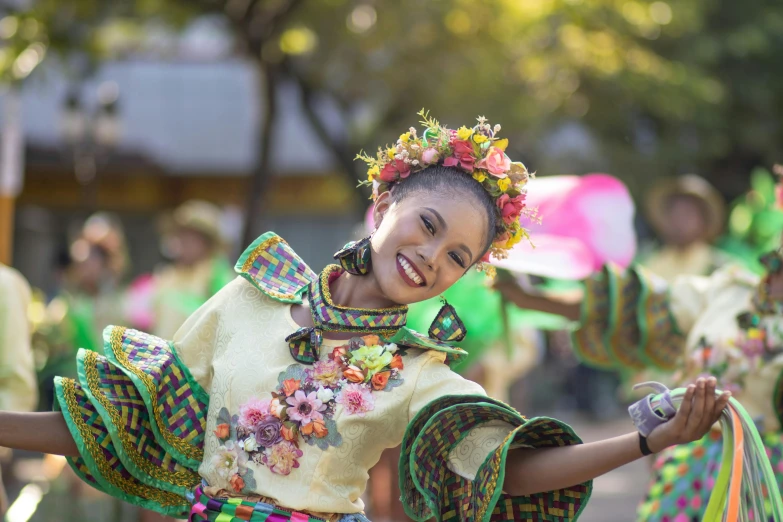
(260, 179)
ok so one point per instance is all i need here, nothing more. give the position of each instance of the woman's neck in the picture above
(359, 292)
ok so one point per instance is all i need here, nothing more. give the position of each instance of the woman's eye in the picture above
(457, 259)
(428, 224)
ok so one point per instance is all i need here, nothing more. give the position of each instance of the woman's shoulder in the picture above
(273, 267)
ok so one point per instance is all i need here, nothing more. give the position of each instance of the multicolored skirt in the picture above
(683, 477)
(206, 508)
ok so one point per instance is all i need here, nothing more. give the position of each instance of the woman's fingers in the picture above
(697, 411)
(681, 417)
(709, 405)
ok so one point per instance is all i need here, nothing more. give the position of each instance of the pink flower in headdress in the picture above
(463, 156)
(429, 156)
(403, 168)
(496, 163)
(511, 208)
(388, 173)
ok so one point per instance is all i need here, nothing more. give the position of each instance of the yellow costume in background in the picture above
(18, 385)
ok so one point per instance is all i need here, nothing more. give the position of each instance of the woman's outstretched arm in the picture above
(530, 471)
(39, 431)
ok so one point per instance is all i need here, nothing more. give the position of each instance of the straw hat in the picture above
(198, 215)
(687, 185)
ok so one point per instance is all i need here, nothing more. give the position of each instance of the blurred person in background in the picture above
(726, 324)
(92, 295)
(192, 240)
(687, 214)
(18, 391)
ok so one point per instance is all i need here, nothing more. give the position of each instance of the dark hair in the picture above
(438, 178)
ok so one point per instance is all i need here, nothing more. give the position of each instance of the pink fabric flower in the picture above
(496, 162)
(511, 208)
(429, 156)
(388, 173)
(305, 408)
(403, 168)
(282, 457)
(356, 399)
(326, 373)
(463, 156)
(253, 412)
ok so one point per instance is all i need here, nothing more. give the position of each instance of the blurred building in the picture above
(141, 136)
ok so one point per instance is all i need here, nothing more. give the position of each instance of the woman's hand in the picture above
(700, 409)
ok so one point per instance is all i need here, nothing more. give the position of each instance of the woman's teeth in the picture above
(409, 271)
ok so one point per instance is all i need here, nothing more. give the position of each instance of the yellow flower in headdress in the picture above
(405, 137)
(464, 133)
(373, 172)
(503, 184)
(479, 176)
(390, 152)
(479, 138)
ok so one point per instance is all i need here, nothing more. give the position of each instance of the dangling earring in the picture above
(447, 325)
(355, 257)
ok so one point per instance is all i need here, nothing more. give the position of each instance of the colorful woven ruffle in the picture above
(430, 489)
(274, 268)
(627, 323)
(210, 509)
(684, 476)
(138, 418)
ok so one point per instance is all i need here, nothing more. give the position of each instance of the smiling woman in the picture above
(277, 396)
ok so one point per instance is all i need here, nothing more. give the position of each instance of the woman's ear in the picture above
(382, 205)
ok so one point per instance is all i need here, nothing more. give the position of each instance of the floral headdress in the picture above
(477, 151)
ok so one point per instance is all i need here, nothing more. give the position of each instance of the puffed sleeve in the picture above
(630, 320)
(138, 414)
(452, 464)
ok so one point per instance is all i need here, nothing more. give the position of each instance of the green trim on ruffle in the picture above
(430, 489)
(123, 443)
(589, 337)
(115, 355)
(110, 481)
(661, 343)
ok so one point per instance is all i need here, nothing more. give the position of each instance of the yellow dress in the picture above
(227, 406)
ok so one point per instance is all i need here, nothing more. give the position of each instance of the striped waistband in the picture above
(206, 508)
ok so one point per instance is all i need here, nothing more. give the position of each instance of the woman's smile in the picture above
(409, 272)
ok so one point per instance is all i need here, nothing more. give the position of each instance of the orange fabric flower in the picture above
(237, 484)
(353, 374)
(288, 433)
(397, 362)
(320, 429)
(307, 429)
(290, 386)
(380, 380)
(222, 431)
(371, 340)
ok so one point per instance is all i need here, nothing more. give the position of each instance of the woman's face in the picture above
(425, 243)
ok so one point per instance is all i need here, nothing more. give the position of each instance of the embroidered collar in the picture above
(305, 343)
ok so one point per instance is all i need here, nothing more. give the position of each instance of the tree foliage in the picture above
(652, 87)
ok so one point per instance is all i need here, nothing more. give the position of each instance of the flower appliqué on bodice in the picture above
(273, 432)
